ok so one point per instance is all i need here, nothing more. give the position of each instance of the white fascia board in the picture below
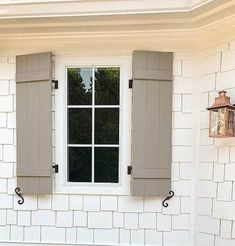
(52, 8)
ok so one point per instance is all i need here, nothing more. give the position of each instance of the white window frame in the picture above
(93, 106)
(61, 185)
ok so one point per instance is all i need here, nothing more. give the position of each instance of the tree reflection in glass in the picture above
(79, 164)
(80, 125)
(107, 86)
(79, 86)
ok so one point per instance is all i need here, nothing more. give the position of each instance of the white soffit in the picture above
(86, 18)
(55, 8)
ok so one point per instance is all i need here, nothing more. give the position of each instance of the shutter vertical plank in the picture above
(152, 119)
(165, 124)
(139, 106)
(22, 153)
(33, 124)
(33, 118)
(151, 123)
(45, 123)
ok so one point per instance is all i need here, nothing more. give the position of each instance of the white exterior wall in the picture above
(216, 170)
(203, 174)
(99, 219)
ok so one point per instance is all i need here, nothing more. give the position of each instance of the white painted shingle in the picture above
(60, 202)
(6, 201)
(5, 233)
(52, 234)
(130, 204)
(125, 236)
(118, 219)
(17, 233)
(226, 229)
(100, 220)
(163, 222)
(205, 206)
(3, 216)
(153, 237)
(24, 218)
(91, 203)
(64, 219)
(6, 103)
(181, 222)
(75, 202)
(147, 220)
(106, 236)
(225, 191)
(4, 87)
(32, 233)
(80, 218)
(109, 203)
(131, 221)
(84, 235)
(43, 217)
(71, 235)
(137, 237)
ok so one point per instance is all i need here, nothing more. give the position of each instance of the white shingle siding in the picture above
(99, 219)
(62, 218)
(216, 200)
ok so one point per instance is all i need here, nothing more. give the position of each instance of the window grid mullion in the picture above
(91, 106)
(93, 127)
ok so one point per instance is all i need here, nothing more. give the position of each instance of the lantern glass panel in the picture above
(230, 122)
(217, 122)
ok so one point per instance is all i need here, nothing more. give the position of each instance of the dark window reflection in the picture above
(106, 165)
(106, 125)
(80, 125)
(107, 86)
(79, 164)
(79, 86)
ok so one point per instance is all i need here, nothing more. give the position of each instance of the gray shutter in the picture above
(34, 120)
(151, 123)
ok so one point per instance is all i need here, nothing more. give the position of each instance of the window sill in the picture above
(97, 189)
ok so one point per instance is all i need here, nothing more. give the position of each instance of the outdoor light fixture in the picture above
(222, 114)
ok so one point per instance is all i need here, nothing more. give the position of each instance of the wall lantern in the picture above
(222, 112)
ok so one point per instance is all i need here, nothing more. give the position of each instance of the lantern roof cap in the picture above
(222, 101)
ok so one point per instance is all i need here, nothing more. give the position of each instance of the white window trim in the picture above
(60, 181)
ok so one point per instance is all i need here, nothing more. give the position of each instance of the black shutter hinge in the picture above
(56, 84)
(129, 169)
(130, 83)
(56, 168)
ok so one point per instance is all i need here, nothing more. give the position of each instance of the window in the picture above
(93, 112)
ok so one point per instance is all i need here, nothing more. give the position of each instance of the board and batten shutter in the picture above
(151, 123)
(34, 123)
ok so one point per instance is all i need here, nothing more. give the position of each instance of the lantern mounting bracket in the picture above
(164, 202)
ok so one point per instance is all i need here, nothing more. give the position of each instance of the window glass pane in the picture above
(106, 165)
(79, 164)
(80, 127)
(107, 86)
(106, 125)
(79, 86)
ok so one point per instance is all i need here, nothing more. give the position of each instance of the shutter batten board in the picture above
(151, 173)
(34, 123)
(151, 123)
